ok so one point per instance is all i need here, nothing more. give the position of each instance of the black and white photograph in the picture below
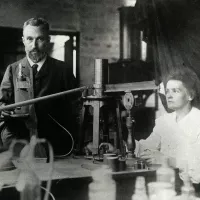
(100, 99)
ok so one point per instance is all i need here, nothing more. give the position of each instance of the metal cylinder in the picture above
(100, 70)
(129, 34)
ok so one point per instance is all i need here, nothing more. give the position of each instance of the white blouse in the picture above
(180, 140)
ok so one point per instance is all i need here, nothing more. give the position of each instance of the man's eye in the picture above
(29, 39)
(40, 39)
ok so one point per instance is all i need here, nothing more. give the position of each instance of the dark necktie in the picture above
(34, 68)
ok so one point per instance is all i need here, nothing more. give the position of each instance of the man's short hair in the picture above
(37, 22)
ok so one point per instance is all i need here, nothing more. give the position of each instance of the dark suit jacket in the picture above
(54, 76)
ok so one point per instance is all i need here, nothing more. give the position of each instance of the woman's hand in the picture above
(152, 156)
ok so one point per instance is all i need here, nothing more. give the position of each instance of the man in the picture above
(34, 76)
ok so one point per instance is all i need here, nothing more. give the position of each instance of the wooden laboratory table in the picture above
(79, 167)
(70, 168)
(71, 178)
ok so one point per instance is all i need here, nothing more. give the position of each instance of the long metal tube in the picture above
(35, 100)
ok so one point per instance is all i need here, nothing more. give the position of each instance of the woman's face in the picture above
(177, 95)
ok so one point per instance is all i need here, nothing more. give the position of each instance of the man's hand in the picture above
(152, 156)
(6, 114)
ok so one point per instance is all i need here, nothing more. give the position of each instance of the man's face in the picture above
(177, 95)
(36, 41)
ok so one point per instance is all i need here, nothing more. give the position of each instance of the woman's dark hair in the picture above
(190, 81)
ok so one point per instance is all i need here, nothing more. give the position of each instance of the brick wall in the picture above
(61, 14)
(97, 21)
(99, 27)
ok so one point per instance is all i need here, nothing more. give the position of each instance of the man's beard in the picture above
(36, 55)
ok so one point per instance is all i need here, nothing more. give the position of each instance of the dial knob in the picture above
(128, 100)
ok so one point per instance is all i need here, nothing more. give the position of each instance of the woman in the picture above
(176, 135)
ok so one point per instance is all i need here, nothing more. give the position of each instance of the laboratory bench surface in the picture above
(71, 178)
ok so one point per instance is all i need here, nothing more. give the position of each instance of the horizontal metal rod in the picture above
(134, 86)
(35, 100)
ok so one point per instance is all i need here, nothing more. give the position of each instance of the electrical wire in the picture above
(62, 156)
(53, 198)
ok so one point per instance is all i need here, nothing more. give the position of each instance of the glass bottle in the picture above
(165, 173)
(140, 189)
(103, 186)
(187, 190)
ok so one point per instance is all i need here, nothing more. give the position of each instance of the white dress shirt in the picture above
(40, 64)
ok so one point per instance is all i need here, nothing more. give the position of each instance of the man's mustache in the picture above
(35, 51)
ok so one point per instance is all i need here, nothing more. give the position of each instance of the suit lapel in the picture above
(44, 70)
(25, 67)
